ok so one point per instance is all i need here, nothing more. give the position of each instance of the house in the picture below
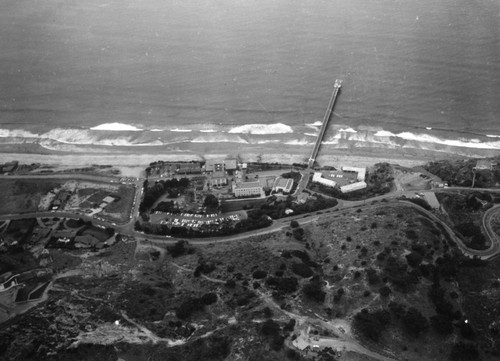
(353, 187)
(484, 164)
(87, 241)
(283, 185)
(318, 178)
(247, 189)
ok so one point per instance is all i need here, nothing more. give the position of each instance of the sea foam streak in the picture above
(219, 138)
(116, 127)
(277, 128)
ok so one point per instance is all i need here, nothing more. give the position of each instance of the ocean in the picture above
(121, 74)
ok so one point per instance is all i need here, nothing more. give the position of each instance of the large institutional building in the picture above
(247, 189)
(348, 179)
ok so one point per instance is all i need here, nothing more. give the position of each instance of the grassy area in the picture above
(122, 206)
(21, 196)
(98, 233)
(19, 230)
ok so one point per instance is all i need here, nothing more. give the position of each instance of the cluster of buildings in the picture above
(347, 179)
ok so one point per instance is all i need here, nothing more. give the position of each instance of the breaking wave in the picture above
(219, 138)
(116, 127)
(181, 130)
(277, 128)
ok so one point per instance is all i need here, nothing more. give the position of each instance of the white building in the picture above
(283, 185)
(318, 178)
(247, 189)
(353, 187)
(361, 172)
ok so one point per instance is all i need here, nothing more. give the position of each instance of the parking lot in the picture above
(192, 220)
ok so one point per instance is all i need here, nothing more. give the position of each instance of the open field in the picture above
(21, 196)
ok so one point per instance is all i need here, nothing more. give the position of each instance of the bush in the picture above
(283, 284)
(464, 352)
(270, 328)
(180, 248)
(414, 322)
(442, 324)
(259, 274)
(298, 234)
(294, 224)
(208, 298)
(385, 291)
(313, 290)
(302, 270)
(188, 307)
(370, 325)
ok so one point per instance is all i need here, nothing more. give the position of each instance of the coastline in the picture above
(130, 160)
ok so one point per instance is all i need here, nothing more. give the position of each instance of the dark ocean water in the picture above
(253, 72)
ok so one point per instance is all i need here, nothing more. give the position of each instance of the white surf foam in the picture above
(181, 130)
(298, 142)
(262, 129)
(492, 136)
(315, 124)
(116, 127)
(208, 130)
(219, 138)
(347, 130)
(311, 134)
(427, 138)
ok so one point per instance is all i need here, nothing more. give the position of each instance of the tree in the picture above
(442, 324)
(314, 291)
(270, 328)
(259, 274)
(371, 325)
(294, 224)
(414, 322)
(464, 352)
(211, 201)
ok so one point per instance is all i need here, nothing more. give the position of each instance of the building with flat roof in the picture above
(220, 165)
(353, 187)
(283, 185)
(247, 189)
(361, 172)
(318, 178)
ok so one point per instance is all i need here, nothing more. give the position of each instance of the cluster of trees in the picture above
(173, 187)
(371, 324)
(193, 304)
(277, 209)
(460, 173)
(314, 290)
(180, 248)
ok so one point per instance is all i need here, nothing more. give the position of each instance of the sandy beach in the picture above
(131, 161)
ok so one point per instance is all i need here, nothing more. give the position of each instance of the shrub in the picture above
(464, 352)
(442, 324)
(302, 270)
(385, 291)
(270, 328)
(414, 322)
(208, 298)
(313, 290)
(370, 325)
(259, 274)
(294, 224)
(298, 234)
(284, 284)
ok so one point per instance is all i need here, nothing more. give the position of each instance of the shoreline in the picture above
(130, 161)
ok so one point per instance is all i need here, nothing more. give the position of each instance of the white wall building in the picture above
(318, 178)
(353, 187)
(247, 189)
(360, 171)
